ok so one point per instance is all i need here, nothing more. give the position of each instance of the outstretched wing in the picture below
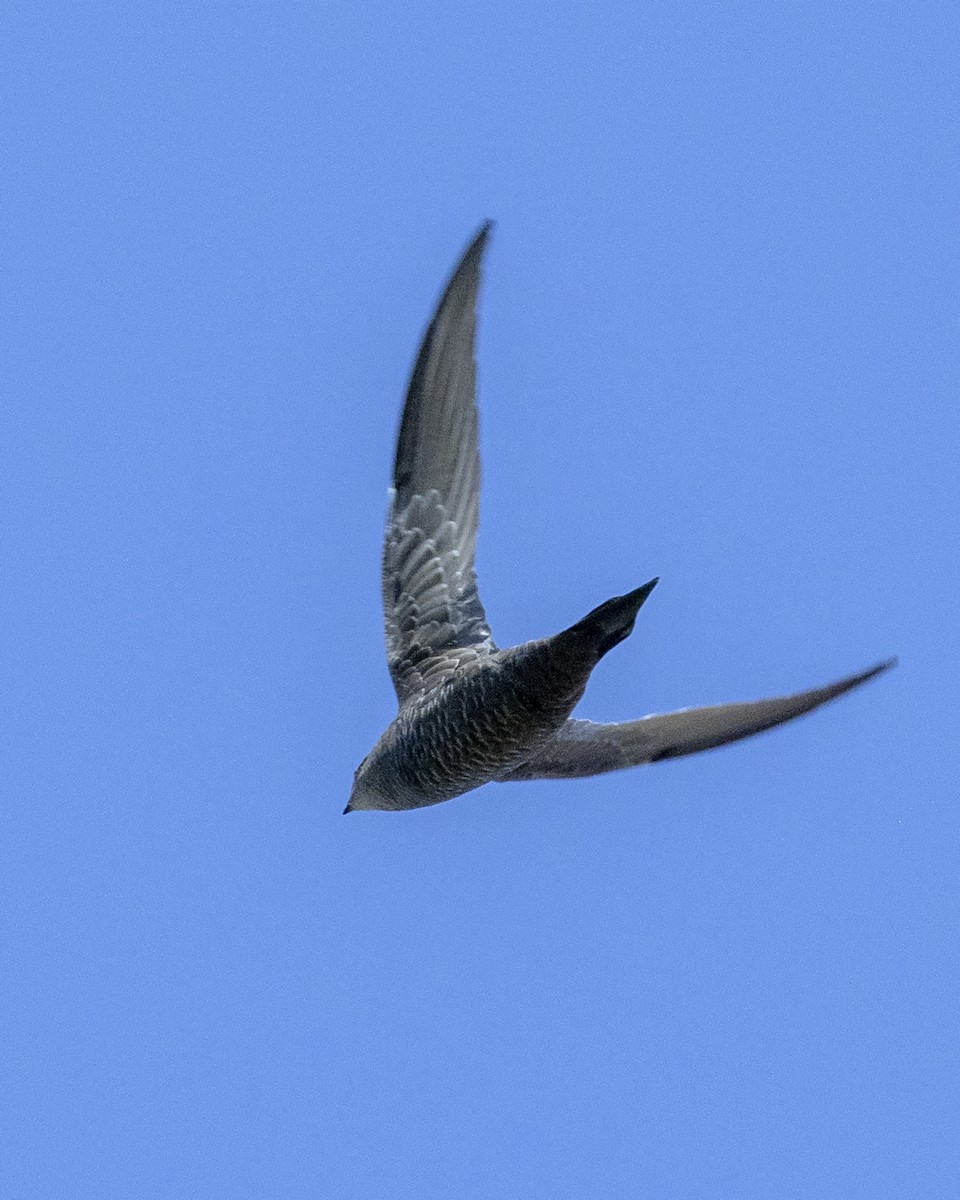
(585, 748)
(434, 620)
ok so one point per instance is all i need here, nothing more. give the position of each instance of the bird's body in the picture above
(470, 713)
(470, 730)
(488, 717)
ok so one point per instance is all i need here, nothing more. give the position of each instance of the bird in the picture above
(470, 713)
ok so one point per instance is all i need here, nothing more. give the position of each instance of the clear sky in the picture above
(719, 343)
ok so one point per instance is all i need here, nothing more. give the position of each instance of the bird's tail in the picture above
(608, 624)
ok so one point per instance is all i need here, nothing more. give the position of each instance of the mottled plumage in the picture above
(469, 713)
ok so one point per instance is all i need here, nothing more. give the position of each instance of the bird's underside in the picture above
(469, 713)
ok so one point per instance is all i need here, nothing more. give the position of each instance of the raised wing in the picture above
(585, 748)
(434, 620)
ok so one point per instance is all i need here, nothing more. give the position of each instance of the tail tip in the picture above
(641, 593)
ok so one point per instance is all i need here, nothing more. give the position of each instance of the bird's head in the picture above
(365, 792)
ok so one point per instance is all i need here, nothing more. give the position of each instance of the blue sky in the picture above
(719, 343)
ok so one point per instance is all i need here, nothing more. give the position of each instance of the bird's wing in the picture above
(585, 748)
(433, 616)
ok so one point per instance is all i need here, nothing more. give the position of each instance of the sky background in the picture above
(719, 343)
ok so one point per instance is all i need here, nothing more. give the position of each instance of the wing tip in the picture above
(466, 274)
(853, 681)
(483, 233)
(474, 251)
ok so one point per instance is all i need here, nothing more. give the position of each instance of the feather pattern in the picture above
(434, 621)
(470, 713)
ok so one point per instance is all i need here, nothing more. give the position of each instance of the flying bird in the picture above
(470, 713)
